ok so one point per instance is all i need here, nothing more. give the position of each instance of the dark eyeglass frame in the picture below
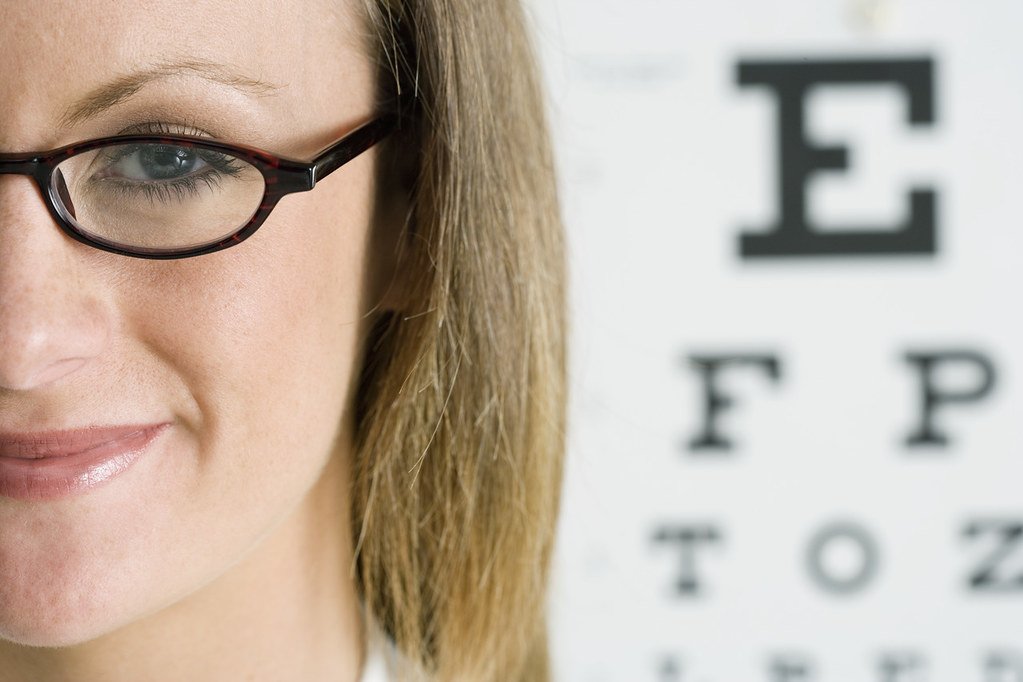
(281, 175)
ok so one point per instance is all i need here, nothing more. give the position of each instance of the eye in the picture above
(152, 162)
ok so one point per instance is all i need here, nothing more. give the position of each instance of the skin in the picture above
(224, 553)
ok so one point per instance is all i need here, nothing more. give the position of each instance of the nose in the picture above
(52, 319)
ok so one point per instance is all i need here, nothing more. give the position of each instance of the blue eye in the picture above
(157, 162)
(163, 171)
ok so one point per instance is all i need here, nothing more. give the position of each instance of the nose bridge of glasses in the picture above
(17, 195)
(31, 165)
(19, 165)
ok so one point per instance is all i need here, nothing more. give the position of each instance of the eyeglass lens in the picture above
(157, 195)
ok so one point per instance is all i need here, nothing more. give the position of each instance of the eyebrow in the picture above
(123, 87)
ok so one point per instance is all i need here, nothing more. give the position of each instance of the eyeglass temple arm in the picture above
(352, 145)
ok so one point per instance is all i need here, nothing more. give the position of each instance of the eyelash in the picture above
(176, 189)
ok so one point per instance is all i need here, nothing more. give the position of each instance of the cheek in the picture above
(265, 339)
(254, 351)
(270, 330)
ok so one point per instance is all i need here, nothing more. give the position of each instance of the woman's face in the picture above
(243, 361)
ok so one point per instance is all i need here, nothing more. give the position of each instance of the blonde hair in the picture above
(461, 403)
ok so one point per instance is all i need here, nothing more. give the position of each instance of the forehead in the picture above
(55, 51)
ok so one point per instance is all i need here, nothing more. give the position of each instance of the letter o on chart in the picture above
(842, 558)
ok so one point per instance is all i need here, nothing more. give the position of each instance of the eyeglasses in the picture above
(174, 196)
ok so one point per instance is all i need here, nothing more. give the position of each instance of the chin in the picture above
(63, 597)
(48, 636)
(49, 618)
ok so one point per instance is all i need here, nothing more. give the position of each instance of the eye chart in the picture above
(796, 253)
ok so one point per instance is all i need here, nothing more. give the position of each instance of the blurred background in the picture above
(795, 243)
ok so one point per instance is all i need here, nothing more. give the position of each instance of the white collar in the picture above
(381, 652)
(375, 669)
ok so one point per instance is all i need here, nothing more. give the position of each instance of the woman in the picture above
(235, 454)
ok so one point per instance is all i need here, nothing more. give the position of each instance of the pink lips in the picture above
(46, 466)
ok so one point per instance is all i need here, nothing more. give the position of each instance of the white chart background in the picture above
(665, 160)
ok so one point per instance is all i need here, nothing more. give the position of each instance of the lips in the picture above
(55, 464)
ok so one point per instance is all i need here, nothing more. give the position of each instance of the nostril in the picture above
(39, 347)
(56, 371)
(27, 381)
